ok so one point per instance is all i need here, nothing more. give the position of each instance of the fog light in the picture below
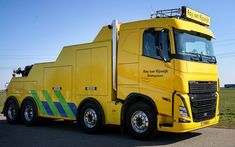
(183, 111)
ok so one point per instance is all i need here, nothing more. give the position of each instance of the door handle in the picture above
(57, 88)
(94, 88)
(87, 88)
(145, 79)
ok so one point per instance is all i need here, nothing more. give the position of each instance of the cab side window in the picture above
(156, 44)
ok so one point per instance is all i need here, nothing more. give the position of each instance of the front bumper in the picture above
(187, 127)
(183, 100)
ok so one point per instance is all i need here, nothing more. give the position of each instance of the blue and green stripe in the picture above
(64, 103)
(51, 105)
(50, 108)
(38, 101)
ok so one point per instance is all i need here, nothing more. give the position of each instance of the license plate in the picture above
(204, 123)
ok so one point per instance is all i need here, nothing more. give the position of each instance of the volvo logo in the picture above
(205, 114)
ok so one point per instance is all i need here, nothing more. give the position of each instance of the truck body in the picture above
(165, 63)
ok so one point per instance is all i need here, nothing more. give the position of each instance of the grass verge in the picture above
(2, 99)
(227, 108)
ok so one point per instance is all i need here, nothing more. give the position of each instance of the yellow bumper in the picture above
(187, 127)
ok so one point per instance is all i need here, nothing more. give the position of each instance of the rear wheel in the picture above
(12, 111)
(141, 121)
(29, 113)
(91, 118)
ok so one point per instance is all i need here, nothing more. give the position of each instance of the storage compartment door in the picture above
(99, 68)
(83, 72)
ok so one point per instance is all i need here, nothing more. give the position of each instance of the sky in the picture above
(33, 31)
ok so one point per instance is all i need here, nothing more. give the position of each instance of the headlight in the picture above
(183, 111)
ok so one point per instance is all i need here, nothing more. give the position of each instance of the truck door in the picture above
(156, 75)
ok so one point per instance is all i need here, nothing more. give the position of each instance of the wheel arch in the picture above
(136, 97)
(8, 99)
(91, 100)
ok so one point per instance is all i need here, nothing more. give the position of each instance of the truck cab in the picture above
(174, 65)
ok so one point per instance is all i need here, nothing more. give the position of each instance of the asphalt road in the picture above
(61, 134)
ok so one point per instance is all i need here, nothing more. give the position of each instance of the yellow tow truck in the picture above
(152, 75)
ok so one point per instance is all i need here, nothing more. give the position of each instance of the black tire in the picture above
(12, 111)
(86, 118)
(29, 113)
(149, 129)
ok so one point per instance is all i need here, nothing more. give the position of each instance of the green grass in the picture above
(227, 108)
(2, 99)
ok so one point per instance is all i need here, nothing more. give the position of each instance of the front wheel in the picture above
(29, 113)
(141, 121)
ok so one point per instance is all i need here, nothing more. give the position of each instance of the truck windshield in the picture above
(194, 44)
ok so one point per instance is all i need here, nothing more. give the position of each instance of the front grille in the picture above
(202, 87)
(203, 100)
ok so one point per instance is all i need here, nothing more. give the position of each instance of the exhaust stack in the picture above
(114, 50)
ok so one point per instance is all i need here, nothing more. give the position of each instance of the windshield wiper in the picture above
(194, 56)
(211, 59)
